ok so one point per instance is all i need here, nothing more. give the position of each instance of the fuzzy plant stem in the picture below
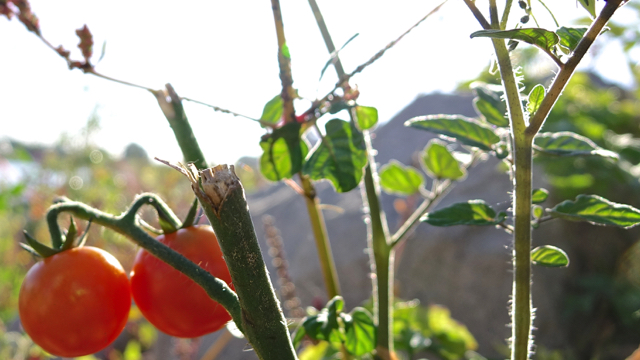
(323, 246)
(523, 136)
(127, 225)
(381, 253)
(222, 197)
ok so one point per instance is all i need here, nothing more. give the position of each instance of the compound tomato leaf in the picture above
(598, 211)
(396, 178)
(549, 256)
(366, 117)
(440, 163)
(535, 99)
(472, 212)
(541, 38)
(360, 332)
(566, 143)
(570, 37)
(466, 130)
(339, 157)
(283, 152)
(272, 111)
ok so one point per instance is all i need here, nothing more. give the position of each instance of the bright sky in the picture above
(224, 53)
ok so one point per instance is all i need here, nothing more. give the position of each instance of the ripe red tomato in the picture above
(76, 302)
(172, 302)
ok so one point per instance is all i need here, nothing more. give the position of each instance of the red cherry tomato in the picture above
(172, 302)
(76, 302)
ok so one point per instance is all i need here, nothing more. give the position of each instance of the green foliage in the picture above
(539, 195)
(541, 38)
(440, 163)
(472, 212)
(417, 329)
(549, 256)
(535, 99)
(466, 130)
(284, 152)
(272, 111)
(366, 117)
(355, 331)
(570, 37)
(396, 178)
(339, 157)
(566, 143)
(598, 211)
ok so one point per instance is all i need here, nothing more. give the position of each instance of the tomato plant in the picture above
(171, 301)
(75, 302)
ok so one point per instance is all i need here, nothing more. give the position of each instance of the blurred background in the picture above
(64, 133)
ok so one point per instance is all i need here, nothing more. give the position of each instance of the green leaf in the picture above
(541, 38)
(598, 211)
(466, 130)
(453, 338)
(539, 195)
(366, 117)
(472, 212)
(535, 99)
(360, 332)
(283, 152)
(339, 157)
(490, 93)
(490, 113)
(538, 211)
(590, 6)
(570, 37)
(396, 178)
(440, 163)
(549, 256)
(566, 143)
(272, 111)
(324, 325)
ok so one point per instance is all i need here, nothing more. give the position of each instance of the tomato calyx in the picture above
(38, 249)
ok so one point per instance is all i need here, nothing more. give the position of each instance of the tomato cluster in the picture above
(77, 301)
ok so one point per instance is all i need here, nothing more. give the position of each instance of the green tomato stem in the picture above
(222, 197)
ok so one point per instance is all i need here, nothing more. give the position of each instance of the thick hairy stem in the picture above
(126, 224)
(382, 255)
(521, 315)
(323, 246)
(221, 194)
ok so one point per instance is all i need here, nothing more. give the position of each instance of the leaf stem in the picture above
(505, 14)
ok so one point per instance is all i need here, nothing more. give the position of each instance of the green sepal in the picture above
(83, 237)
(165, 224)
(191, 215)
(39, 248)
(71, 235)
